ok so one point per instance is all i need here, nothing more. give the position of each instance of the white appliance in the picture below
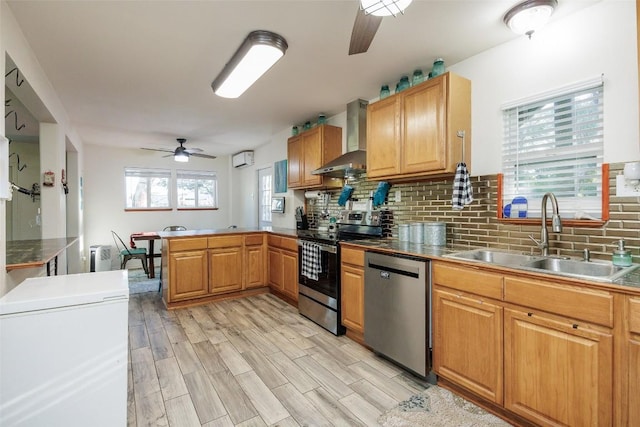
(63, 351)
(244, 158)
(100, 258)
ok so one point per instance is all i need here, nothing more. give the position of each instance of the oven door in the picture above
(325, 289)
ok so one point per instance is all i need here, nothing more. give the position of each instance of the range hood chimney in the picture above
(354, 161)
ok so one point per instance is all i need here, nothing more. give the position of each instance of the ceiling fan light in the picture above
(259, 52)
(529, 16)
(384, 7)
(181, 157)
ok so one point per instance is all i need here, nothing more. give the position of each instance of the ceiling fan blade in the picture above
(158, 149)
(364, 30)
(204, 156)
(192, 150)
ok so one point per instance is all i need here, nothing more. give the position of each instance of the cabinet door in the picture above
(274, 257)
(631, 369)
(254, 266)
(424, 128)
(352, 302)
(383, 137)
(312, 155)
(295, 166)
(225, 270)
(290, 274)
(557, 372)
(188, 276)
(467, 343)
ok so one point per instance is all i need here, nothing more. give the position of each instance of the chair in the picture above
(127, 253)
(169, 228)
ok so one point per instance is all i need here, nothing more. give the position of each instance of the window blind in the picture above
(555, 145)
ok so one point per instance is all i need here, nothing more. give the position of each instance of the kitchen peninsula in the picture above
(199, 266)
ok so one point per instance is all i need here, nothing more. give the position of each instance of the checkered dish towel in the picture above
(462, 189)
(311, 260)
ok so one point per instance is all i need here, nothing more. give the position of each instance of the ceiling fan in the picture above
(368, 20)
(182, 154)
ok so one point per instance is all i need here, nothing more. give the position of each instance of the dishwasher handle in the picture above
(415, 273)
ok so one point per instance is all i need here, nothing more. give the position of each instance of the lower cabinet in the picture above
(538, 349)
(632, 363)
(352, 290)
(467, 334)
(189, 275)
(557, 372)
(208, 266)
(282, 266)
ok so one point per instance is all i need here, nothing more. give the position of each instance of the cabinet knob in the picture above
(529, 314)
(574, 326)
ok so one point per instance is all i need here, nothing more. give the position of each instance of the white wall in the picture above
(104, 198)
(13, 43)
(600, 39)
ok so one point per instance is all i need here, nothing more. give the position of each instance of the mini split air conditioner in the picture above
(243, 158)
(100, 258)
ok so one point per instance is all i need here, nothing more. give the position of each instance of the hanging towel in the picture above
(311, 260)
(345, 195)
(462, 189)
(380, 196)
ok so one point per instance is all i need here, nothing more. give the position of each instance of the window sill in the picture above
(146, 209)
(586, 223)
(197, 209)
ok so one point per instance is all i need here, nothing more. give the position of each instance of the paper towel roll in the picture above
(312, 195)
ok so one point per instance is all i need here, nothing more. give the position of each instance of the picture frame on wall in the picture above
(277, 204)
(280, 176)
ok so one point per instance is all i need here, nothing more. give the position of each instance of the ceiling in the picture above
(139, 73)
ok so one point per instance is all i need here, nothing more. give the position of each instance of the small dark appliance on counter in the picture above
(301, 219)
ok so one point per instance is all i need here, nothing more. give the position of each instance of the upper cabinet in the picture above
(310, 150)
(413, 134)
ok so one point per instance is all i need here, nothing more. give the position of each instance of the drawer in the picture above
(634, 315)
(275, 241)
(467, 280)
(176, 245)
(352, 256)
(576, 303)
(253, 239)
(225, 241)
(289, 244)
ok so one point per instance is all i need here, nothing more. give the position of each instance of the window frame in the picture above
(147, 173)
(545, 135)
(199, 176)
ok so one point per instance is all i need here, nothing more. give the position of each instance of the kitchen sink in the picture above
(593, 270)
(598, 270)
(509, 259)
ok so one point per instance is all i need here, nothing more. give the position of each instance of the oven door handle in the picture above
(325, 248)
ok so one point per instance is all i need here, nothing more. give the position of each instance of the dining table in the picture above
(150, 237)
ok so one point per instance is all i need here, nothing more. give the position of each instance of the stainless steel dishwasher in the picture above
(397, 294)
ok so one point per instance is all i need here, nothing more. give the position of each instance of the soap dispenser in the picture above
(621, 256)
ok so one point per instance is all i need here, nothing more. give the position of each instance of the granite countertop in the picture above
(628, 282)
(290, 232)
(35, 253)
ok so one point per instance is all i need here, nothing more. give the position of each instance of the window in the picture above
(197, 189)
(555, 144)
(147, 188)
(265, 185)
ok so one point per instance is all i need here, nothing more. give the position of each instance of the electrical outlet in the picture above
(398, 197)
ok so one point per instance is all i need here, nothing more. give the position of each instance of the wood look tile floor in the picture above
(251, 362)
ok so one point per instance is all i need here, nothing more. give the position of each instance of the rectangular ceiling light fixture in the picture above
(259, 51)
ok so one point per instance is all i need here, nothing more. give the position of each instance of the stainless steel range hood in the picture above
(354, 161)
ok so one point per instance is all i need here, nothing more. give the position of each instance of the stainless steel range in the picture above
(319, 265)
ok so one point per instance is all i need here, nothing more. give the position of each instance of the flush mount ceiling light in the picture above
(384, 7)
(259, 51)
(530, 15)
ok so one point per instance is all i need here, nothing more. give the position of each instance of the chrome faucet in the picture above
(556, 223)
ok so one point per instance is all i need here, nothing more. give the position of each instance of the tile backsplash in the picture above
(477, 223)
